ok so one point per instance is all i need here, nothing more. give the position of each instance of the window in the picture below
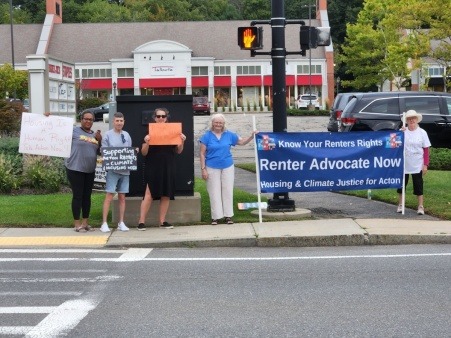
(435, 71)
(304, 69)
(125, 72)
(222, 70)
(424, 104)
(448, 104)
(382, 106)
(199, 71)
(93, 73)
(248, 70)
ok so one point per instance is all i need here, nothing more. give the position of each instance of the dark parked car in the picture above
(201, 105)
(383, 111)
(340, 102)
(98, 111)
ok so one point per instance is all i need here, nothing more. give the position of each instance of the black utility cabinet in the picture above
(138, 112)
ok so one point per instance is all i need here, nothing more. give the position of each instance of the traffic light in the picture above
(312, 37)
(250, 38)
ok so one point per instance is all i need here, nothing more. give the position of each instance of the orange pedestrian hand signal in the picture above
(250, 38)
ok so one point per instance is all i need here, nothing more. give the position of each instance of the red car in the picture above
(201, 105)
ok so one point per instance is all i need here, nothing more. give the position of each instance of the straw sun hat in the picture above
(413, 113)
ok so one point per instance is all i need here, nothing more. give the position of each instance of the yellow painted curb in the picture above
(54, 240)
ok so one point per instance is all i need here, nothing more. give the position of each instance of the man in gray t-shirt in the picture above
(116, 180)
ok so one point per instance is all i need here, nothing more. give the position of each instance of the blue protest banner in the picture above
(293, 162)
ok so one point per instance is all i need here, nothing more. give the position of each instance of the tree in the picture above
(378, 48)
(13, 82)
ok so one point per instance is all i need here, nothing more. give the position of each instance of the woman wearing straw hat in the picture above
(416, 147)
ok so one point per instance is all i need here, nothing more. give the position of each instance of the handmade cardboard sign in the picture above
(119, 158)
(41, 135)
(165, 134)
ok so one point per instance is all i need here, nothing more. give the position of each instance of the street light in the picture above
(338, 84)
(12, 37)
(112, 109)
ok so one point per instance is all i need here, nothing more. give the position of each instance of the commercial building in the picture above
(167, 58)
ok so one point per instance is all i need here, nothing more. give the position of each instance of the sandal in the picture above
(229, 220)
(214, 222)
(81, 228)
(89, 228)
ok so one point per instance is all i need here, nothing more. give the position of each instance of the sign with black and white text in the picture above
(293, 162)
(119, 158)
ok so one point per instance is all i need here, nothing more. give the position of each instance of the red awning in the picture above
(162, 83)
(222, 81)
(252, 80)
(93, 84)
(289, 79)
(125, 83)
(303, 80)
(199, 81)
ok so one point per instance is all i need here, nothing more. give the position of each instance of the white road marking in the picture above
(15, 330)
(62, 251)
(41, 293)
(134, 255)
(62, 280)
(52, 271)
(27, 309)
(63, 319)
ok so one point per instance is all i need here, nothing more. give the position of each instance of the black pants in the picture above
(417, 180)
(81, 184)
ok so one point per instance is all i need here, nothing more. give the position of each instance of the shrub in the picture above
(41, 173)
(10, 117)
(8, 178)
(89, 102)
(440, 159)
(9, 145)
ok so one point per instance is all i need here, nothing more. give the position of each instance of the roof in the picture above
(101, 42)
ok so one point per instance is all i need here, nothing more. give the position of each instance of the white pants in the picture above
(220, 189)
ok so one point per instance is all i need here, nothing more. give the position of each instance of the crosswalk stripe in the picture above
(27, 309)
(15, 330)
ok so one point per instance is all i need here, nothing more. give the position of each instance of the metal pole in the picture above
(280, 201)
(12, 37)
(310, 53)
(112, 108)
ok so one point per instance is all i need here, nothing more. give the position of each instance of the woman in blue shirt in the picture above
(217, 167)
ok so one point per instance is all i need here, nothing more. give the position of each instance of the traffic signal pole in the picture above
(280, 201)
(251, 38)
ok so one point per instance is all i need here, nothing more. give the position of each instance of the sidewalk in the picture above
(325, 232)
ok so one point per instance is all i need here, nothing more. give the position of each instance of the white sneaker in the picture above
(399, 208)
(105, 228)
(420, 210)
(122, 227)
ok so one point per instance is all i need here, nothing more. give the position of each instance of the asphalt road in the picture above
(397, 291)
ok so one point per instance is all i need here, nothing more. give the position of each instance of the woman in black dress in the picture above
(159, 174)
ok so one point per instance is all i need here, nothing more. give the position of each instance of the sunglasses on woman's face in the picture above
(160, 116)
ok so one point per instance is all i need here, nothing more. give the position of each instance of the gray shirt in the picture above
(83, 153)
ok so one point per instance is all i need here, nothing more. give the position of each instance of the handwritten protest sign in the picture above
(119, 158)
(165, 134)
(50, 136)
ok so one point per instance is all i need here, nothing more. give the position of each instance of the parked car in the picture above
(26, 104)
(98, 111)
(340, 102)
(303, 101)
(201, 105)
(383, 111)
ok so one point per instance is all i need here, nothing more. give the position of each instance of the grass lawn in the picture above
(54, 210)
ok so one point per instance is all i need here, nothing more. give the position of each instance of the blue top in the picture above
(218, 155)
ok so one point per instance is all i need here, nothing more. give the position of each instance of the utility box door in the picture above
(138, 111)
